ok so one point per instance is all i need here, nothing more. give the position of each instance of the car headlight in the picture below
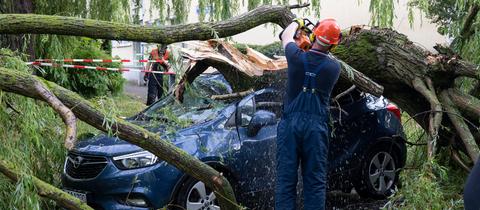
(135, 160)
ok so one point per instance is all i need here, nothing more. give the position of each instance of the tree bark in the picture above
(46, 24)
(44, 189)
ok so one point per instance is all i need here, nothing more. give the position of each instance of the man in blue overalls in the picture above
(303, 132)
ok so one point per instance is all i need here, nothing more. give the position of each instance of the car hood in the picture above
(105, 145)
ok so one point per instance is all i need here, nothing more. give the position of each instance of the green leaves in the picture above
(382, 12)
(87, 82)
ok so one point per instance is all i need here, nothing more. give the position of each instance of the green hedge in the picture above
(87, 82)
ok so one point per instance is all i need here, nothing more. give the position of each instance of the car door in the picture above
(256, 161)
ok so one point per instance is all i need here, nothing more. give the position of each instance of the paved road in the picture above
(139, 92)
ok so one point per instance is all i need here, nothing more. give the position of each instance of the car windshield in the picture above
(197, 107)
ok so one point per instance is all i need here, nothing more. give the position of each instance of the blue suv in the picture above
(367, 151)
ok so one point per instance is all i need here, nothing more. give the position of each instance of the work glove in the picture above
(301, 23)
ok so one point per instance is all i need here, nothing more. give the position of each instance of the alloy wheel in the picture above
(382, 172)
(201, 198)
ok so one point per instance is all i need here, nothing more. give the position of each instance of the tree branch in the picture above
(456, 157)
(250, 71)
(347, 91)
(46, 24)
(232, 95)
(467, 103)
(436, 116)
(44, 189)
(463, 68)
(298, 6)
(22, 83)
(67, 115)
(460, 126)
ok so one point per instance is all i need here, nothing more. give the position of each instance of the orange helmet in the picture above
(328, 31)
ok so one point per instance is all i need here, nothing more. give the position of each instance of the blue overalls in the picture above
(302, 138)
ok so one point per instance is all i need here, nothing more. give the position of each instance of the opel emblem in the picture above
(77, 161)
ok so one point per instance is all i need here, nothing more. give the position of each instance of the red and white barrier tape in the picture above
(96, 68)
(68, 60)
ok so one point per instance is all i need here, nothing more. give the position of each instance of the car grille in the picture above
(84, 166)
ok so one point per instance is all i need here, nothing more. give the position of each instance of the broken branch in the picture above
(231, 95)
(67, 115)
(297, 6)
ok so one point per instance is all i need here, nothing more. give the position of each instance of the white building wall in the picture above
(124, 50)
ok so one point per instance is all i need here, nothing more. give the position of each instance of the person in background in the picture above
(155, 80)
(471, 193)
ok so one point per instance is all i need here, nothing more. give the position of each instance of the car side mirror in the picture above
(260, 118)
(245, 111)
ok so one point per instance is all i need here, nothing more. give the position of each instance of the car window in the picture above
(268, 100)
(194, 109)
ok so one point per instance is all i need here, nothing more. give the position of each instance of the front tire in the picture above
(195, 195)
(378, 173)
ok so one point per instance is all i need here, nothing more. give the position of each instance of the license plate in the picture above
(79, 195)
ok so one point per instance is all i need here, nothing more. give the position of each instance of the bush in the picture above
(87, 82)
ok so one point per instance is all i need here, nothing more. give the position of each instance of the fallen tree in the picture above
(27, 85)
(34, 87)
(418, 81)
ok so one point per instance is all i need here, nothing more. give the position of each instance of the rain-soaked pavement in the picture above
(136, 91)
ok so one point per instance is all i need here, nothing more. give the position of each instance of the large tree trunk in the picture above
(416, 81)
(419, 82)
